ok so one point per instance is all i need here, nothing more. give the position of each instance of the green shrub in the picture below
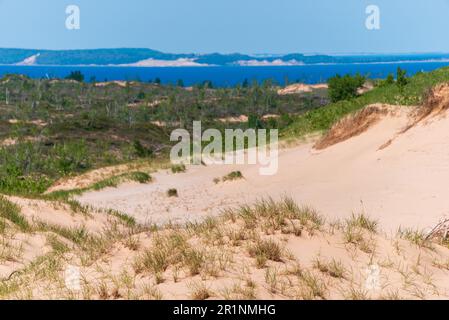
(75, 75)
(344, 88)
(401, 79)
(387, 82)
(141, 151)
(71, 157)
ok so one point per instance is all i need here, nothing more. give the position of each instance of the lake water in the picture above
(223, 76)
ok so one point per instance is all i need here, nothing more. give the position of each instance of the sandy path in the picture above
(404, 184)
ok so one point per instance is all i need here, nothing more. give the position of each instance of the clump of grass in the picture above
(178, 168)
(271, 278)
(266, 249)
(246, 291)
(12, 212)
(152, 292)
(194, 260)
(132, 243)
(284, 215)
(140, 177)
(416, 237)
(199, 291)
(172, 193)
(333, 268)
(356, 294)
(313, 286)
(363, 222)
(308, 216)
(357, 228)
(154, 260)
(167, 250)
(353, 235)
(235, 175)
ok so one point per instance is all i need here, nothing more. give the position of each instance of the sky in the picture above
(226, 26)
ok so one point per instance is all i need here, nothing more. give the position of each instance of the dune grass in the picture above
(12, 212)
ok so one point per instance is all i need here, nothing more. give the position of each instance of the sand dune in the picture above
(301, 88)
(398, 178)
(388, 162)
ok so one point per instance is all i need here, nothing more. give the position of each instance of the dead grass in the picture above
(353, 125)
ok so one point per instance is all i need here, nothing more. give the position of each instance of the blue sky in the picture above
(247, 26)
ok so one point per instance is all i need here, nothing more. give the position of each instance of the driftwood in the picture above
(440, 231)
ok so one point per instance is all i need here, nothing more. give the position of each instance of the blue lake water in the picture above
(223, 76)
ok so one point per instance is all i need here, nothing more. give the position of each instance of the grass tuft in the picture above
(172, 193)
(235, 175)
(12, 212)
(266, 249)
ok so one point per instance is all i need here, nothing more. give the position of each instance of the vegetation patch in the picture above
(10, 211)
(235, 175)
(172, 193)
(178, 168)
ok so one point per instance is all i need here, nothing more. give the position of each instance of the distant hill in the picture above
(149, 57)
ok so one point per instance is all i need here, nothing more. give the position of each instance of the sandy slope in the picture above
(402, 184)
(390, 162)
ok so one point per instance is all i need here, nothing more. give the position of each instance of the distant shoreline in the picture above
(222, 76)
(224, 66)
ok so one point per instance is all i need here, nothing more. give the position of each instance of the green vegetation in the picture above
(76, 75)
(401, 79)
(344, 88)
(178, 168)
(235, 175)
(266, 249)
(51, 129)
(412, 93)
(12, 212)
(363, 222)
